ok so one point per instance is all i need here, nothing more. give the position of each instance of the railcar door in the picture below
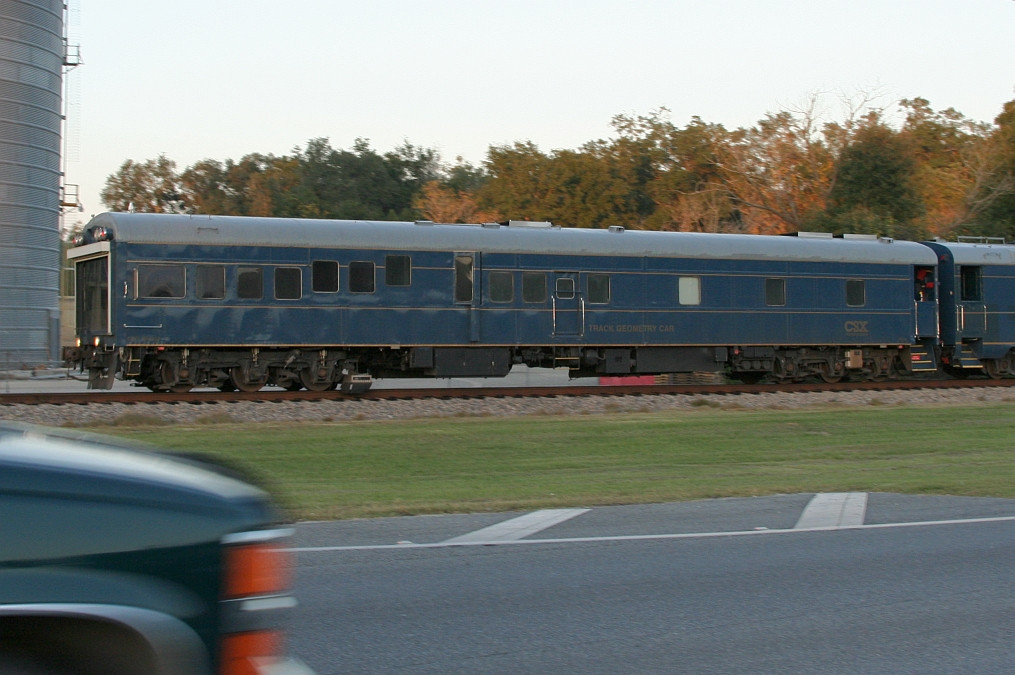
(926, 294)
(467, 292)
(972, 311)
(94, 310)
(567, 305)
(92, 297)
(93, 289)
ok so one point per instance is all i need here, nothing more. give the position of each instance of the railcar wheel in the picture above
(241, 380)
(881, 369)
(827, 374)
(992, 368)
(169, 380)
(311, 384)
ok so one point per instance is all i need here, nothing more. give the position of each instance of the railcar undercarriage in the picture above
(957, 362)
(352, 369)
(829, 364)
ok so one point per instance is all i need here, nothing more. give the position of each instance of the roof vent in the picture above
(528, 223)
(809, 235)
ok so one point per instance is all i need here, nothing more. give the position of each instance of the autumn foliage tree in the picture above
(677, 173)
(996, 193)
(582, 188)
(441, 203)
(935, 173)
(148, 186)
(316, 181)
(875, 189)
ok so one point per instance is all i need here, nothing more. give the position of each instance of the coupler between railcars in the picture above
(101, 363)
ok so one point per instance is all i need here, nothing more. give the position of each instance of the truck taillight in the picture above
(256, 569)
(255, 589)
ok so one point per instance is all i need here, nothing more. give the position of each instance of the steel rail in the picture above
(199, 397)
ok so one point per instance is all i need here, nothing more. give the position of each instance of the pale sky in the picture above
(219, 79)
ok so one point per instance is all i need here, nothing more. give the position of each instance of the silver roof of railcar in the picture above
(979, 254)
(160, 228)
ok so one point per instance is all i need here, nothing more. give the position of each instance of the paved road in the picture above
(799, 583)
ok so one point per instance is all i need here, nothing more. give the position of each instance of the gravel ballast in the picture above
(346, 410)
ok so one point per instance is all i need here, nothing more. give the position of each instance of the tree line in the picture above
(935, 173)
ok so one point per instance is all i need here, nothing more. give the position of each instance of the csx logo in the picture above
(856, 326)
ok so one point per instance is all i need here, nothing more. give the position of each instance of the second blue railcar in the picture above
(977, 299)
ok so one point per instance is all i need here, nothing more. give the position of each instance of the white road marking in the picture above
(834, 509)
(518, 528)
(650, 537)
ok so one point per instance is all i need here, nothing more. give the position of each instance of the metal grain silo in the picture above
(31, 69)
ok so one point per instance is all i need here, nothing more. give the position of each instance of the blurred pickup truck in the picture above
(121, 561)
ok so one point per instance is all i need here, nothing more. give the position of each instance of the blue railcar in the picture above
(174, 302)
(977, 307)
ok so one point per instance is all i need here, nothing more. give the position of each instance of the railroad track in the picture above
(198, 397)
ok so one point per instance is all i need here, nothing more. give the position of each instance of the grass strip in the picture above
(445, 465)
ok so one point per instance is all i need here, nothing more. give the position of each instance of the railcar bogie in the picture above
(180, 370)
(826, 363)
(1001, 367)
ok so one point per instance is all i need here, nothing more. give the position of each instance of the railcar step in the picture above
(964, 358)
(922, 359)
(569, 362)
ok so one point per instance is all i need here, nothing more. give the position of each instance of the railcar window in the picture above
(972, 283)
(161, 281)
(534, 287)
(250, 283)
(564, 288)
(775, 292)
(463, 278)
(856, 293)
(689, 290)
(599, 288)
(288, 283)
(923, 289)
(361, 277)
(210, 282)
(397, 270)
(324, 276)
(502, 287)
